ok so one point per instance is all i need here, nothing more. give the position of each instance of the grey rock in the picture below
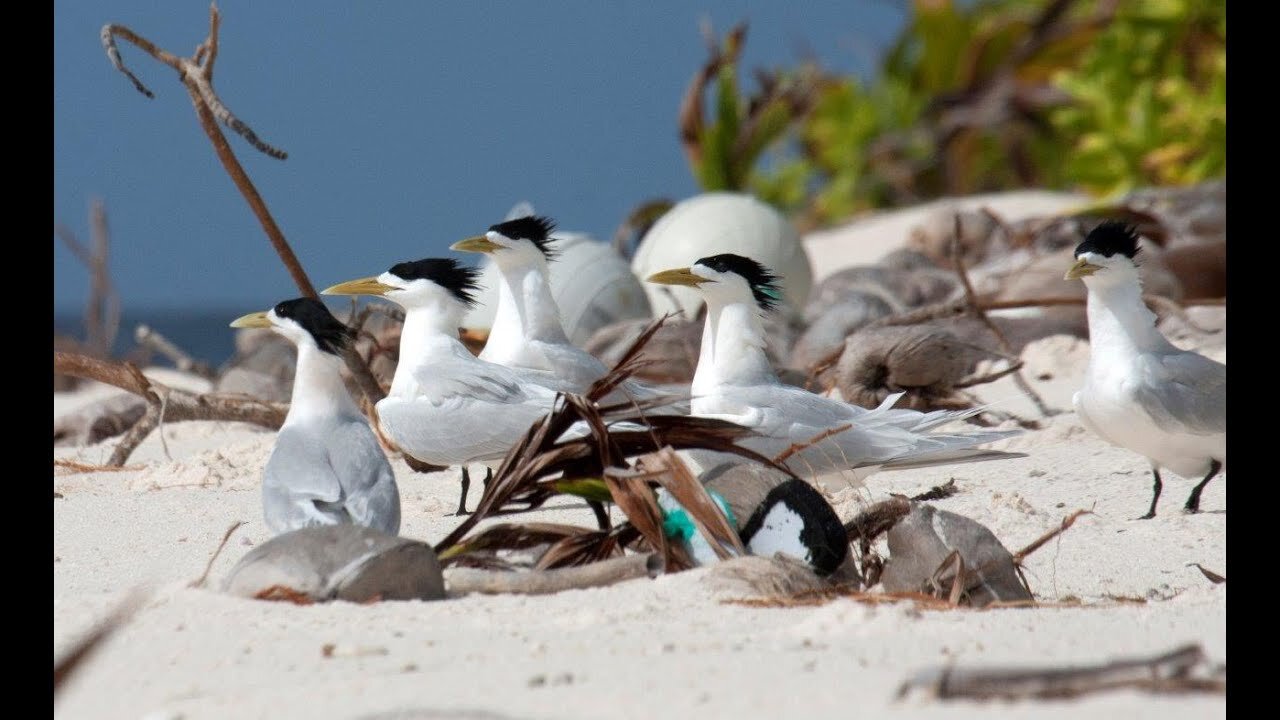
(340, 562)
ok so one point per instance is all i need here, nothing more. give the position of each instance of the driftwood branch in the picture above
(150, 338)
(462, 581)
(196, 74)
(166, 403)
(102, 312)
(1167, 672)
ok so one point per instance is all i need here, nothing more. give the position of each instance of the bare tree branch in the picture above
(166, 403)
(198, 80)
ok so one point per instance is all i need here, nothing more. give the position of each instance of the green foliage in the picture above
(996, 94)
(1151, 99)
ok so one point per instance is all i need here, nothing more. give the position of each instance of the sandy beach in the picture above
(1111, 587)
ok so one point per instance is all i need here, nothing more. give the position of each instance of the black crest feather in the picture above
(1109, 238)
(445, 272)
(329, 333)
(764, 284)
(534, 228)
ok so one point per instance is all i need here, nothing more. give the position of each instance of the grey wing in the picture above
(299, 486)
(1183, 391)
(468, 411)
(369, 492)
(794, 416)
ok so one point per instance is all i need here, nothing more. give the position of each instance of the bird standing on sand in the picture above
(528, 333)
(734, 381)
(326, 467)
(1140, 392)
(446, 406)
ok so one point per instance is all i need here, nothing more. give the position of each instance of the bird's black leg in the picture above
(466, 485)
(1193, 502)
(1155, 497)
(488, 477)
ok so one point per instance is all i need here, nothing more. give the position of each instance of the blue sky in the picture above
(408, 126)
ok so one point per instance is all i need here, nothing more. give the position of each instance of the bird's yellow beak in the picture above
(679, 276)
(363, 286)
(252, 320)
(1082, 268)
(478, 244)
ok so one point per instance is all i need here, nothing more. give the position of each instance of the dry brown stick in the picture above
(75, 466)
(148, 337)
(462, 581)
(209, 108)
(178, 405)
(1036, 544)
(1167, 672)
(989, 377)
(971, 299)
(199, 582)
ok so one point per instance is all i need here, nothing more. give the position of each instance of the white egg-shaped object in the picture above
(721, 222)
(590, 281)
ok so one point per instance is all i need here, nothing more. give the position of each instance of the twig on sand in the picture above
(1210, 575)
(199, 582)
(196, 74)
(462, 581)
(971, 298)
(1170, 672)
(164, 402)
(1036, 544)
(75, 466)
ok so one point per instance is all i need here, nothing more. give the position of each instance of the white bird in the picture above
(735, 382)
(326, 467)
(528, 333)
(1140, 392)
(446, 406)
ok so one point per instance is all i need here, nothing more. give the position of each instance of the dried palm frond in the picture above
(596, 467)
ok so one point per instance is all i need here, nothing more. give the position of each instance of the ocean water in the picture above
(200, 332)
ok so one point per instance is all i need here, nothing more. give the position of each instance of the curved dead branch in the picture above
(166, 404)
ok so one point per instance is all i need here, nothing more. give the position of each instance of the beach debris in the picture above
(196, 75)
(951, 556)
(1185, 669)
(150, 338)
(680, 528)
(204, 576)
(463, 581)
(759, 576)
(102, 309)
(927, 361)
(337, 562)
(98, 420)
(1212, 576)
(827, 332)
(165, 403)
(672, 353)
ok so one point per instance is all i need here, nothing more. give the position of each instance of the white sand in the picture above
(667, 648)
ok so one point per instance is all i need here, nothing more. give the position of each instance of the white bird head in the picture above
(727, 278)
(1106, 257)
(419, 283)
(303, 321)
(522, 241)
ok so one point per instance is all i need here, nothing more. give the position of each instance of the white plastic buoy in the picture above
(721, 222)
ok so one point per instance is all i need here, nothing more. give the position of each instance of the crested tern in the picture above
(734, 381)
(326, 467)
(1140, 392)
(528, 332)
(446, 406)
